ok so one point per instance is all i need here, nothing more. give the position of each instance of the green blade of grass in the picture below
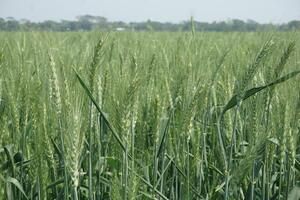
(16, 183)
(163, 133)
(88, 92)
(151, 186)
(234, 100)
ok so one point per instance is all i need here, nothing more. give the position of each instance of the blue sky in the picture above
(275, 11)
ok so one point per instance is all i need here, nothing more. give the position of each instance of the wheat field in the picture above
(148, 115)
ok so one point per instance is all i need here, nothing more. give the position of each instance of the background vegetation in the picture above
(149, 115)
(88, 22)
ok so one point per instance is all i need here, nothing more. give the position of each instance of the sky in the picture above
(263, 11)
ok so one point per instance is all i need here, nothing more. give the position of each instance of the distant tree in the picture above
(12, 25)
(89, 22)
(251, 25)
(10, 19)
(2, 24)
(49, 25)
(92, 19)
(238, 25)
(292, 25)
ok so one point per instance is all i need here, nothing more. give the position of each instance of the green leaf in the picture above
(149, 196)
(14, 182)
(234, 100)
(1, 57)
(88, 92)
(151, 186)
(55, 183)
(163, 132)
(113, 163)
(10, 163)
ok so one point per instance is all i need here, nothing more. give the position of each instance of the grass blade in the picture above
(234, 100)
(88, 92)
(16, 183)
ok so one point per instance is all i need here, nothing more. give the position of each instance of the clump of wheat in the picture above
(73, 145)
(55, 88)
(163, 121)
(253, 67)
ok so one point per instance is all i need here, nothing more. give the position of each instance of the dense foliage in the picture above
(87, 23)
(149, 115)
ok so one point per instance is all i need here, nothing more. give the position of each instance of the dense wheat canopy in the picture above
(127, 115)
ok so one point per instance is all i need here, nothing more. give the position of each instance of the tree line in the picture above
(88, 22)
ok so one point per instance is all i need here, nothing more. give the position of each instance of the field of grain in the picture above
(149, 115)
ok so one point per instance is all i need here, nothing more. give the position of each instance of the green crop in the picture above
(149, 115)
